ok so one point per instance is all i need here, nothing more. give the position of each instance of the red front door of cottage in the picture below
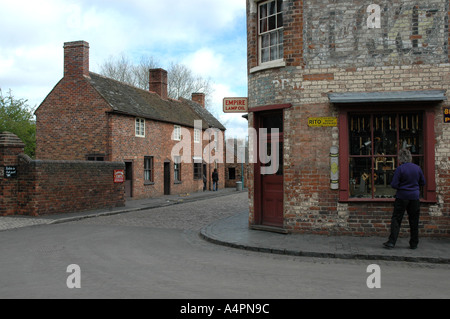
(269, 181)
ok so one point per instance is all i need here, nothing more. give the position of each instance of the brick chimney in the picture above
(76, 59)
(158, 82)
(199, 98)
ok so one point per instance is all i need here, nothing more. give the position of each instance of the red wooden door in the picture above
(272, 200)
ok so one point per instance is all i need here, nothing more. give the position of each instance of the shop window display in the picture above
(374, 143)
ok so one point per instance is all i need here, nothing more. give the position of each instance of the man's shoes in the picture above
(388, 245)
(413, 247)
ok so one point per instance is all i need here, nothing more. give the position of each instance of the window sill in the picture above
(379, 200)
(268, 65)
(178, 182)
(149, 183)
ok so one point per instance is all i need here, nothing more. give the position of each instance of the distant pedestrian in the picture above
(215, 178)
(407, 180)
(204, 182)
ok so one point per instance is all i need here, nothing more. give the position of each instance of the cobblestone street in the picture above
(186, 216)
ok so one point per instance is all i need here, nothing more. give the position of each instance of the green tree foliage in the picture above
(17, 118)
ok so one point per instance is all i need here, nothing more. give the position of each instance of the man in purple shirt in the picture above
(408, 179)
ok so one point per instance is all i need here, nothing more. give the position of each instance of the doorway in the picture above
(128, 179)
(269, 193)
(166, 178)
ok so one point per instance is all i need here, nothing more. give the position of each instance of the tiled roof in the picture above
(130, 100)
(204, 113)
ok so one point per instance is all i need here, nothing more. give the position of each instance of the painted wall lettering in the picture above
(391, 33)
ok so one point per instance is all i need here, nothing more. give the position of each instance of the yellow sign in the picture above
(322, 121)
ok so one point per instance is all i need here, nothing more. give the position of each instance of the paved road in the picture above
(157, 253)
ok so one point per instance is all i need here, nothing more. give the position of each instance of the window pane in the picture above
(273, 54)
(263, 25)
(272, 23)
(279, 5)
(384, 172)
(263, 10)
(411, 132)
(272, 7)
(360, 135)
(280, 52)
(360, 177)
(265, 41)
(385, 135)
(265, 55)
(273, 38)
(280, 20)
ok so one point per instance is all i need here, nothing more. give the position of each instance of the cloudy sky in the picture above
(209, 36)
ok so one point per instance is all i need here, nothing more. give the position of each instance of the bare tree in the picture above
(182, 82)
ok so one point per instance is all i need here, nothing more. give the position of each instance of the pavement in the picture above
(234, 232)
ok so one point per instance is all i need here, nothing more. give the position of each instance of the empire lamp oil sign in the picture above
(322, 122)
(235, 105)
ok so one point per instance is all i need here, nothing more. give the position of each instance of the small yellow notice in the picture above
(322, 121)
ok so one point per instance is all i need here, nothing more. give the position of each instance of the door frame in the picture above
(258, 114)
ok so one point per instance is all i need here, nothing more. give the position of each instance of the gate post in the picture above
(10, 148)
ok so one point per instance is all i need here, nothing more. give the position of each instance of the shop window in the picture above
(270, 31)
(371, 146)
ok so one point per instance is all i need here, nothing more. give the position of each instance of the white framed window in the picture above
(270, 31)
(177, 133)
(197, 135)
(140, 127)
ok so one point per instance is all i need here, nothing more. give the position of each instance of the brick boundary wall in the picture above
(51, 187)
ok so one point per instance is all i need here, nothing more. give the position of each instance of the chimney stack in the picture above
(199, 98)
(76, 59)
(158, 82)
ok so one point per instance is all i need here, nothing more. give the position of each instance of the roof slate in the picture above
(130, 100)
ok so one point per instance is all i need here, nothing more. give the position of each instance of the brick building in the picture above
(357, 80)
(89, 117)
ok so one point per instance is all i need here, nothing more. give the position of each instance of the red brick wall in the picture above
(71, 122)
(53, 187)
(50, 187)
(10, 146)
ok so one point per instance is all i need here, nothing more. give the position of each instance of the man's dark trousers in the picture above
(413, 209)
